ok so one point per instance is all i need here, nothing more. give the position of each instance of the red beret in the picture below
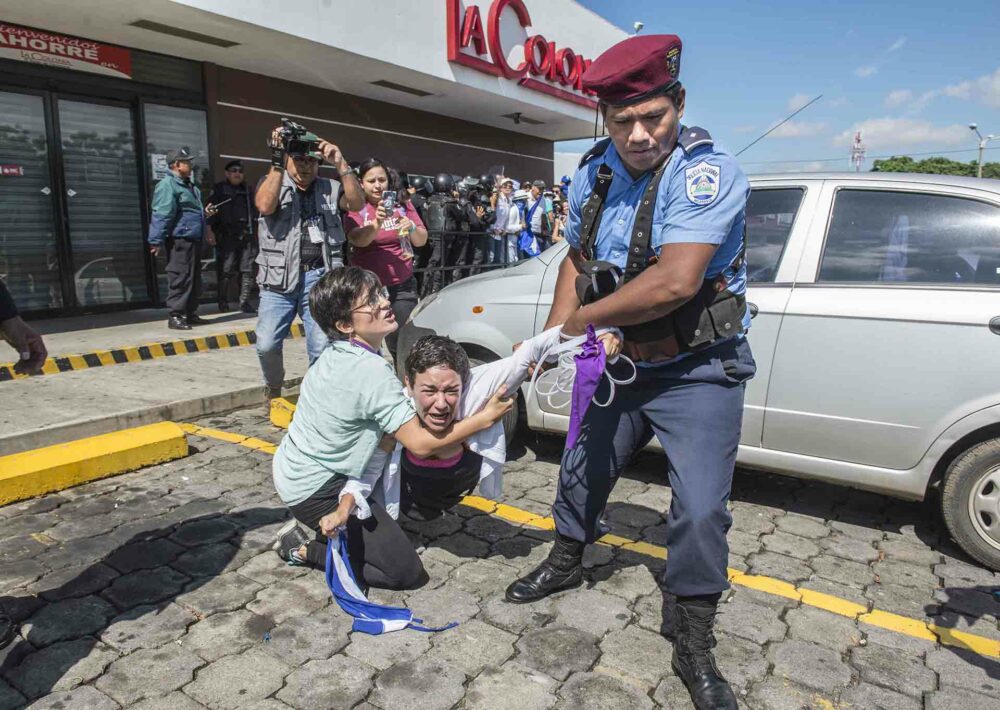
(635, 69)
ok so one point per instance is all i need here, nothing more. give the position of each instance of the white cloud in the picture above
(897, 45)
(898, 98)
(743, 129)
(985, 89)
(891, 134)
(866, 71)
(798, 101)
(797, 129)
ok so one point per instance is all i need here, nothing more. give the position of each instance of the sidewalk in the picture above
(51, 409)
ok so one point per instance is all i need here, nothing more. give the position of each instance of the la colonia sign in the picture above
(552, 70)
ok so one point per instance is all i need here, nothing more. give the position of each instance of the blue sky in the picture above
(911, 75)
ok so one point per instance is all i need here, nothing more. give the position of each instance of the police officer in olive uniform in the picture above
(657, 218)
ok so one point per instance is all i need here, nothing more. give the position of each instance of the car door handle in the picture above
(995, 325)
(753, 310)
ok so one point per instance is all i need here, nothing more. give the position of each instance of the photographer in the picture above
(301, 238)
(232, 216)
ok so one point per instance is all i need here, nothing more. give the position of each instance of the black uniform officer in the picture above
(663, 209)
(444, 219)
(232, 216)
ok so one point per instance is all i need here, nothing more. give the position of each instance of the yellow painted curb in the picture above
(55, 468)
(282, 411)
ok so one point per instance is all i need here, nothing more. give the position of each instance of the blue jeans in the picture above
(274, 319)
(695, 408)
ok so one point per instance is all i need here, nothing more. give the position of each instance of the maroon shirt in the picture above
(384, 255)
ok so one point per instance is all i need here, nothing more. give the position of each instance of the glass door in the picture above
(29, 241)
(102, 203)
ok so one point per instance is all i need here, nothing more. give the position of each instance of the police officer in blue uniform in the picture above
(656, 235)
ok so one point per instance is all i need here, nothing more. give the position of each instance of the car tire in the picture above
(512, 419)
(970, 502)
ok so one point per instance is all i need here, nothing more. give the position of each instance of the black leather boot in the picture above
(693, 661)
(177, 322)
(246, 284)
(563, 569)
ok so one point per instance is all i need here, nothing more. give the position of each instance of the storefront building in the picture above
(92, 98)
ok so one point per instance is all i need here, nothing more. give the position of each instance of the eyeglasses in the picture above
(304, 159)
(381, 294)
(235, 170)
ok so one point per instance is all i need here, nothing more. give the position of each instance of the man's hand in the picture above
(331, 153)
(156, 249)
(28, 344)
(210, 238)
(612, 344)
(211, 210)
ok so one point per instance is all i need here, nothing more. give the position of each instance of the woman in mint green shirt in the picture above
(349, 399)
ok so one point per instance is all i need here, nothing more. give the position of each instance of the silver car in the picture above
(876, 304)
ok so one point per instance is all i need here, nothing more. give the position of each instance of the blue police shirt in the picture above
(701, 199)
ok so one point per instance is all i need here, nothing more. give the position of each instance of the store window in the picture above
(169, 128)
(29, 262)
(881, 236)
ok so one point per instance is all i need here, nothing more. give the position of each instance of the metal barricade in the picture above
(450, 256)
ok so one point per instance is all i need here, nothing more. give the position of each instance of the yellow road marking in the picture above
(897, 623)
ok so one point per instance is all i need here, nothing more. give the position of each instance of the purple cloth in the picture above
(589, 370)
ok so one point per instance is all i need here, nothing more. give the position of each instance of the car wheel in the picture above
(511, 419)
(970, 501)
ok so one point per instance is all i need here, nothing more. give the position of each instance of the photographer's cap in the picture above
(180, 155)
(635, 69)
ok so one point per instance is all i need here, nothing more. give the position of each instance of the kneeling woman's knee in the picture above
(411, 574)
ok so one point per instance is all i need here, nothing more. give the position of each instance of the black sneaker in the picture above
(290, 539)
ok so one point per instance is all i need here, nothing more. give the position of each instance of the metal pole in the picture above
(982, 147)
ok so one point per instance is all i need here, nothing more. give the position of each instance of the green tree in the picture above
(935, 165)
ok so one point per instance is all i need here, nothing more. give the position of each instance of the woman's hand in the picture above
(381, 214)
(500, 403)
(612, 344)
(331, 523)
(405, 225)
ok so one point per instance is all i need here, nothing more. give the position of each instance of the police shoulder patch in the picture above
(701, 182)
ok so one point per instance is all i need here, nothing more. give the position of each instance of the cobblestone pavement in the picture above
(157, 589)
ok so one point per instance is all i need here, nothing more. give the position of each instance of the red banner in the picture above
(52, 50)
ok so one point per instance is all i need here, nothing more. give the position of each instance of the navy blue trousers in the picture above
(695, 408)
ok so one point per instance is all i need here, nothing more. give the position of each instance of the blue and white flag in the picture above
(369, 617)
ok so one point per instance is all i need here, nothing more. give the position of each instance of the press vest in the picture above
(280, 233)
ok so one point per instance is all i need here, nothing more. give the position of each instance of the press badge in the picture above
(315, 233)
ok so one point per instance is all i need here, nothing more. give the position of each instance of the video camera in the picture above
(296, 140)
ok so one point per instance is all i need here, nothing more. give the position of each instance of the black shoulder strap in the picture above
(693, 138)
(642, 229)
(596, 151)
(590, 220)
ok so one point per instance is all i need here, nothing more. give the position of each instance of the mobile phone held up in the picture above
(389, 200)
